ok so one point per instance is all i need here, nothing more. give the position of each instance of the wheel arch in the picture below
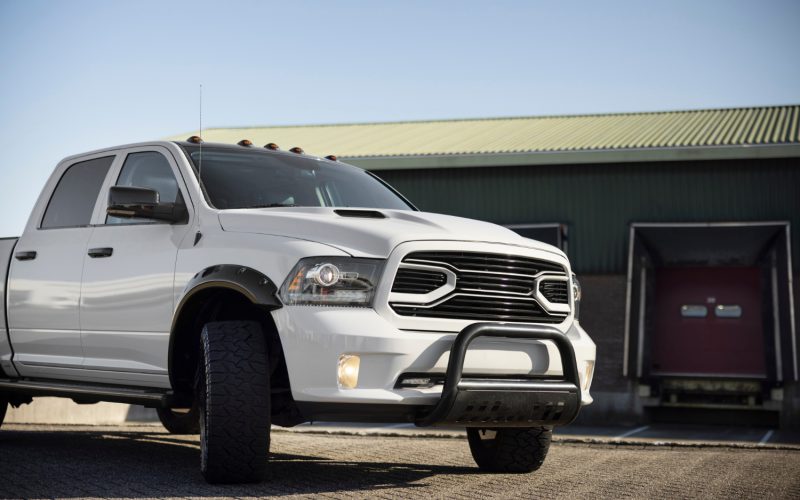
(217, 291)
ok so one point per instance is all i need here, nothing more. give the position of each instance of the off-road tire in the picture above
(234, 402)
(511, 449)
(180, 422)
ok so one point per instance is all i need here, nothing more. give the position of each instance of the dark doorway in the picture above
(710, 332)
(710, 299)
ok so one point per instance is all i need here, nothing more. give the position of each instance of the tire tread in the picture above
(236, 406)
(512, 450)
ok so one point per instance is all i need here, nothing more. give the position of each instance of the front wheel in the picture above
(509, 449)
(234, 402)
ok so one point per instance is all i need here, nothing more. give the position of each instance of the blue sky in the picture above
(78, 75)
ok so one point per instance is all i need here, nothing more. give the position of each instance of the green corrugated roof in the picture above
(696, 129)
(714, 127)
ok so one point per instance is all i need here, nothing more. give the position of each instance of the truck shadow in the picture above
(68, 464)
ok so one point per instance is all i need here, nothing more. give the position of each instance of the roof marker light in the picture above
(297, 150)
(245, 142)
(332, 158)
(272, 146)
(195, 139)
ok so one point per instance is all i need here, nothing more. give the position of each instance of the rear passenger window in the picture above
(75, 195)
(149, 170)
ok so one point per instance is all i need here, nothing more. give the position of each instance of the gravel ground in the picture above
(145, 462)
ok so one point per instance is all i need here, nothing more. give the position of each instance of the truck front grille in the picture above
(489, 287)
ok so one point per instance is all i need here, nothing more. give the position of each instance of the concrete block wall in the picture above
(603, 317)
(65, 411)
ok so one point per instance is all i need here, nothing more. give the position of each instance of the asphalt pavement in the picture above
(657, 434)
(144, 461)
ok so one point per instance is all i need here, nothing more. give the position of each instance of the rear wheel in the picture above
(509, 449)
(234, 402)
(180, 420)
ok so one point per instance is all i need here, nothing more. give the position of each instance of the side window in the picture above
(73, 200)
(150, 170)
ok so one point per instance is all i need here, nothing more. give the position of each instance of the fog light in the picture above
(347, 371)
(588, 372)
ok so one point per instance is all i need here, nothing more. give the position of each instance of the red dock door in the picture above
(708, 322)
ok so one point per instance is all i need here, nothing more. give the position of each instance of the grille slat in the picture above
(417, 281)
(469, 261)
(483, 308)
(494, 287)
(495, 283)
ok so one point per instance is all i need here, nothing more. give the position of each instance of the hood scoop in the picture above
(362, 214)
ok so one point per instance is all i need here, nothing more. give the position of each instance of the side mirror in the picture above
(135, 202)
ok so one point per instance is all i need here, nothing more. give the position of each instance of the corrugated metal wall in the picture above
(598, 202)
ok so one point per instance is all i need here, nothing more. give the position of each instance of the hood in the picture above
(364, 233)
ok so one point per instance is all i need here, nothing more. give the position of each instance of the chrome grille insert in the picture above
(554, 291)
(481, 286)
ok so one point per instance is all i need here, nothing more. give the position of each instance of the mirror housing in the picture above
(135, 202)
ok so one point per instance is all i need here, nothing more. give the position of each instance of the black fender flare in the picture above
(251, 283)
(254, 285)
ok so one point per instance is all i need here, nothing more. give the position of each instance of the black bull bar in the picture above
(504, 402)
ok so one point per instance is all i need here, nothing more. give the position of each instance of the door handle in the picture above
(25, 255)
(96, 253)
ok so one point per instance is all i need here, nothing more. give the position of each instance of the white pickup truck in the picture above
(232, 287)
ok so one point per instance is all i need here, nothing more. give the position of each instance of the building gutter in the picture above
(627, 155)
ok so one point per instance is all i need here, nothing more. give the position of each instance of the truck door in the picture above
(45, 275)
(127, 292)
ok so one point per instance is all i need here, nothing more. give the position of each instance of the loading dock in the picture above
(710, 322)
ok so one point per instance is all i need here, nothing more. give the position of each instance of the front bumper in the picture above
(313, 338)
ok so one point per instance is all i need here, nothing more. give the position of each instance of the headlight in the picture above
(576, 294)
(332, 281)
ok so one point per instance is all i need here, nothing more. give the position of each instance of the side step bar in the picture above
(95, 393)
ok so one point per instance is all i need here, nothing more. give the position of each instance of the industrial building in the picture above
(682, 225)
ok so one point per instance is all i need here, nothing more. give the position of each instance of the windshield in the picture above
(259, 179)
